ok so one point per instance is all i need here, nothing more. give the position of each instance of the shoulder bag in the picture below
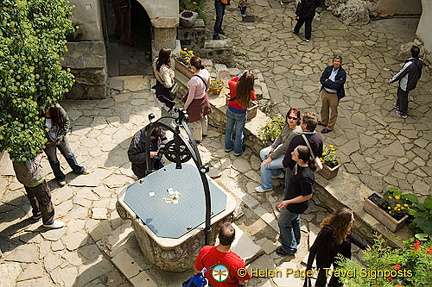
(317, 161)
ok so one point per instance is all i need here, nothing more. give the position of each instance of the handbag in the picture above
(317, 161)
(173, 91)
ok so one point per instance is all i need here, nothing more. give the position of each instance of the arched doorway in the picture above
(125, 59)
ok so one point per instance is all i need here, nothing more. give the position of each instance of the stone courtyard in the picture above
(98, 248)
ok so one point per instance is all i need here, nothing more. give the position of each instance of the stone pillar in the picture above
(165, 33)
(425, 24)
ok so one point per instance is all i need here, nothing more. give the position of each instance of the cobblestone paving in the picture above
(373, 142)
(380, 148)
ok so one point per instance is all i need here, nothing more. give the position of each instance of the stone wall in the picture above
(192, 38)
(87, 61)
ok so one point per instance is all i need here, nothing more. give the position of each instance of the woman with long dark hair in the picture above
(272, 156)
(57, 122)
(241, 94)
(164, 75)
(196, 101)
(334, 238)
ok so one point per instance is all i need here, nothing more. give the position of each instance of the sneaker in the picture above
(261, 190)
(395, 106)
(281, 175)
(55, 225)
(403, 116)
(228, 150)
(282, 252)
(86, 171)
(37, 216)
(62, 182)
(307, 40)
(216, 37)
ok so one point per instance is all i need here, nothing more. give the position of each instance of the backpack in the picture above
(196, 281)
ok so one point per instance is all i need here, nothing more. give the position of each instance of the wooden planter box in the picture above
(328, 172)
(251, 112)
(183, 69)
(386, 219)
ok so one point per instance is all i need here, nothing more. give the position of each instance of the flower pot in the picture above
(183, 69)
(188, 18)
(379, 214)
(215, 91)
(328, 172)
(252, 111)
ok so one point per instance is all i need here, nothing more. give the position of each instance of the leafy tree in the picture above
(32, 42)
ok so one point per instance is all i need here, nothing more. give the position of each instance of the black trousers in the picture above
(40, 201)
(308, 27)
(402, 101)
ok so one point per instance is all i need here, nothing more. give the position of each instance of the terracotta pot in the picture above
(379, 214)
(188, 18)
(183, 69)
(328, 172)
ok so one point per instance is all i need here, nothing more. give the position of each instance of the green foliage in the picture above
(422, 217)
(329, 156)
(396, 203)
(192, 5)
(385, 266)
(32, 41)
(185, 55)
(269, 132)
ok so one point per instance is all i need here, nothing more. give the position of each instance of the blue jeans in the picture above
(274, 168)
(289, 225)
(239, 121)
(64, 148)
(220, 11)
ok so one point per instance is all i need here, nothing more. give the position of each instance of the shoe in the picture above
(403, 116)
(261, 190)
(325, 130)
(221, 32)
(37, 216)
(229, 150)
(62, 182)
(86, 171)
(239, 154)
(395, 106)
(216, 37)
(321, 124)
(281, 252)
(282, 175)
(307, 40)
(55, 225)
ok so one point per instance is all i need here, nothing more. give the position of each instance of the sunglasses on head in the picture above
(292, 118)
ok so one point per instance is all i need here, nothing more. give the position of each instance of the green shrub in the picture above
(32, 41)
(269, 132)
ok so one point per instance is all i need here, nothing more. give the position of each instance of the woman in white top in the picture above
(196, 102)
(164, 75)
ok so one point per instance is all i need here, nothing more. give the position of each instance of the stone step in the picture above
(244, 246)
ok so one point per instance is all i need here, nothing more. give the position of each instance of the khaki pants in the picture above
(329, 105)
(199, 128)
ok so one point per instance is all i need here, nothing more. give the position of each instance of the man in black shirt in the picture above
(296, 201)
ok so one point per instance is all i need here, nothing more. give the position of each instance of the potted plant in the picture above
(269, 132)
(188, 18)
(391, 209)
(331, 162)
(182, 62)
(386, 266)
(216, 86)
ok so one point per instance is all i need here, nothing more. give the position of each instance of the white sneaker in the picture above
(56, 224)
(282, 175)
(260, 189)
(62, 182)
(86, 171)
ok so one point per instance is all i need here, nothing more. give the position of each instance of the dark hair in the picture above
(311, 121)
(296, 112)
(157, 131)
(338, 57)
(57, 118)
(340, 222)
(245, 86)
(196, 62)
(304, 153)
(226, 234)
(415, 51)
(164, 58)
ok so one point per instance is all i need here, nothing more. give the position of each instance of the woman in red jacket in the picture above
(241, 93)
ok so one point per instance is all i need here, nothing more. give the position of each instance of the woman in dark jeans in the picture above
(57, 123)
(334, 238)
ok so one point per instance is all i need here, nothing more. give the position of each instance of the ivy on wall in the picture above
(32, 42)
